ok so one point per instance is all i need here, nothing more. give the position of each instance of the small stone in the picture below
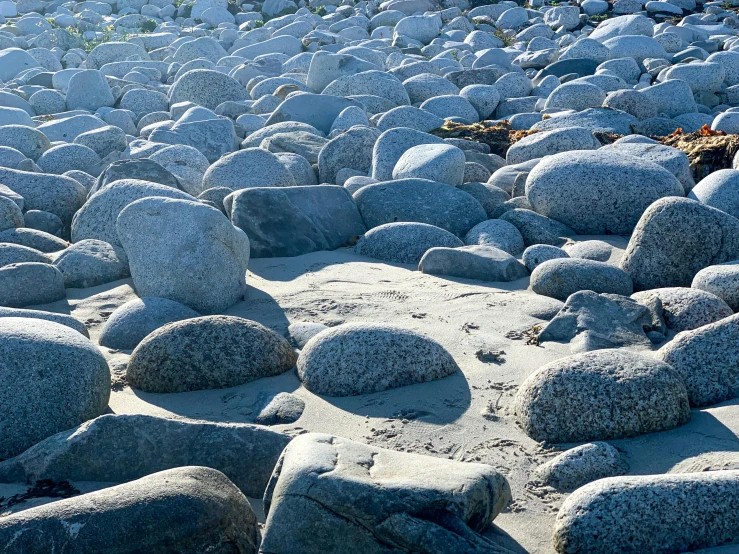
(484, 263)
(581, 465)
(559, 278)
(404, 243)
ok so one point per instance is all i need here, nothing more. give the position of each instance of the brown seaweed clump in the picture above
(707, 150)
(498, 137)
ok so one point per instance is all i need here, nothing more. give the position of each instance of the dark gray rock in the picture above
(62, 319)
(412, 503)
(91, 262)
(119, 448)
(404, 243)
(38, 240)
(53, 378)
(562, 277)
(489, 196)
(29, 284)
(291, 221)
(484, 263)
(184, 251)
(536, 228)
(685, 308)
(130, 323)
(17, 254)
(651, 513)
(606, 394)
(596, 250)
(207, 353)
(581, 465)
(675, 239)
(43, 221)
(360, 358)
(141, 170)
(318, 110)
(179, 511)
(591, 321)
(420, 201)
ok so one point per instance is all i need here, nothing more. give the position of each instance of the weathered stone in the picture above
(559, 278)
(484, 263)
(404, 243)
(581, 465)
(686, 308)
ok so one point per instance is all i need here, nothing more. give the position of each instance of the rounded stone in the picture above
(721, 280)
(497, 233)
(537, 254)
(686, 308)
(559, 278)
(580, 465)
(404, 243)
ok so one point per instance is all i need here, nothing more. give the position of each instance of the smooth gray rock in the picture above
(419, 503)
(301, 332)
(602, 120)
(484, 263)
(213, 137)
(185, 251)
(208, 352)
(721, 280)
(280, 409)
(597, 250)
(606, 394)
(391, 145)
(551, 142)
(672, 159)
(489, 196)
(559, 278)
(496, 233)
(361, 358)
(38, 240)
(91, 262)
(404, 243)
(131, 322)
(421, 201)
(706, 360)
(719, 190)
(537, 254)
(437, 162)
(652, 513)
(97, 218)
(291, 221)
(11, 215)
(583, 464)
(352, 149)
(207, 88)
(591, 321)
(140, 170)
(317, 110)
(252, 167)
(188, 509)
(598, 192)
(29, 284)
(17, 254)
(684, 309)
(119, 448)
(62, 319)
(30, 142)
(53, 378)
(43, 221)
(675, 239)
(536, 228)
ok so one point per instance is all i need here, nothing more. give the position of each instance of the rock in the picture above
(352, 150)
(672, 98)
(675, 239)
(559, 278)
(685, 308)
(404, 243)
(361, 358)
(130, 323)
(104, 141)
(602, 120)
(721, 280)
(38, 240)
(88, 90)
(17, 254)
(53, 379)
(660, 513)
(214, 136)
(581, 465)
(591, 321)
(576, 96)
(607, 394)
(371, 82)
(118, 448)
(29, 284)
(489, 196)
(301, 332)
(43, 221)
(537, 254)
(391, 145)
(551, 142)
(69, 157)
(30, 142)
(11, 215)
(437, 162)
(416, 502)
(420, 201)
(598, 192)
(706, 361)
(91, 262)
(186, 164)
(97, 218)
(280, 409)
(536, 228)
(450, 105)
(318, 110)
(139, 170)
(484, 263)
(291, 221)
(252, 167)
(62, 319)
(184, 251)
(219, 518)
(13, 61)
(596, 250)
(719, 190)
(496, 233)
(207, 88)
(180, 357)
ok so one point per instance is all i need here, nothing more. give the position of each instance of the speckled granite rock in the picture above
(578, 466)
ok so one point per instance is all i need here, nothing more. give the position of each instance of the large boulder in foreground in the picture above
(606, 394)
(51, 379)
(332, 495)
(675, 239)
(360, 358)
(209, 352)
(183, 510)
(118, 448)
(184, 251)
(291, 221)
(650, 513)
(598, 192)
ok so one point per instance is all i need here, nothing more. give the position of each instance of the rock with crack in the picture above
(118, 448)
(591, 321)
(330, 495)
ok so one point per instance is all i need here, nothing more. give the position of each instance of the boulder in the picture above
(91, 262)
(361, 358)
(496, 233)
(62, 319)
(607, 394)
(207, 88)
(17, 254)
(53, 378)
(29, 284)
(537, 254)
(719, 190)
(38, 240)
(11, 215)
(419, 503)
(391, 145)
(536, 228)
(252, 167)
(352, 150)
(138, 170)
(484, 263)
(404, 243)
(722, 280)
(181, 356)
(188, 509)
(684, 309)
(583, 464)
(438, 162)
(559, 278)
(551, 142)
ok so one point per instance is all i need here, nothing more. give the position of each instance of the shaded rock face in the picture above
(414, 503)
(120, 448)
(189, 509)
(207, 353)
